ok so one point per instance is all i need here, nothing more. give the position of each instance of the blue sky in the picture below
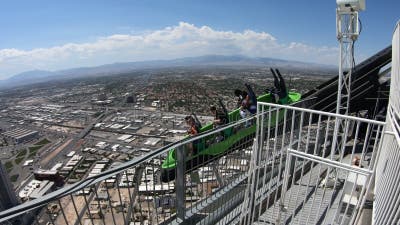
(53, 35)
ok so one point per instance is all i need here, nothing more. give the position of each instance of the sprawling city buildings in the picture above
(61, 133)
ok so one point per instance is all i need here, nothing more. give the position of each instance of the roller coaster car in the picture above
(210, 148)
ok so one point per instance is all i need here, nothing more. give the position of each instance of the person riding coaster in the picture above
(252, 100)
(193, 130)
(279, 92)
(213, 146)
(221, 118)
(246, 102)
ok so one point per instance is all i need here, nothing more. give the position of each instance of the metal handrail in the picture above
(27, 206)
(305, 166)
(68, 190)
(375, 122)
(65, 191)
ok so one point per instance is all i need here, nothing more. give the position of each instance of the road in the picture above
(72, 144)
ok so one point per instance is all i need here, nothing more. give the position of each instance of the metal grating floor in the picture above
(307, 202)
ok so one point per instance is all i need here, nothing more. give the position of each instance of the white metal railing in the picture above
(298, 176)
(387, 183)
(292, 174)
(207, 188)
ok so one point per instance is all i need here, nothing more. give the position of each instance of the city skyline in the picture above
(53, 36)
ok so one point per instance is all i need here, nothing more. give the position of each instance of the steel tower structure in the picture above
(347, 32)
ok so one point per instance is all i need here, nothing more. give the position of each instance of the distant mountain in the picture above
(29, 76)
(37, 76)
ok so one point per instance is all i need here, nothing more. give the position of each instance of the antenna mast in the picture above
(347, 32)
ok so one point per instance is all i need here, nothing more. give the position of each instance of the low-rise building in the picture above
(35, 189)
(20, 135)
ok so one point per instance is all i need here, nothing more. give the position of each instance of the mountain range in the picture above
(37, 76)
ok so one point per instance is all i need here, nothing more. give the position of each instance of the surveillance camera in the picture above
(351, 5)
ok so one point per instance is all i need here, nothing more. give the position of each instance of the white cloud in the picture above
(182, 40)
